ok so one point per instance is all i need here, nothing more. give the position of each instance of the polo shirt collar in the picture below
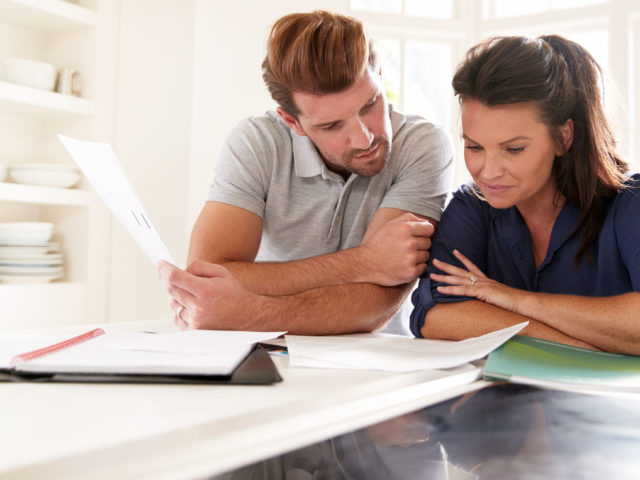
(308, 162)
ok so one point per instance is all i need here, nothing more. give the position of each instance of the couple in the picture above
(323, 213)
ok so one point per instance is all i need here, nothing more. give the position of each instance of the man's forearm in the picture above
(290, 278)
(394, 251)
(358, 307)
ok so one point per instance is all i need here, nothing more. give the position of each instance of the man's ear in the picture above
(291, 121)
(566, 132)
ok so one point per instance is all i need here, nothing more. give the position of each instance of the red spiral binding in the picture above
(25, 357)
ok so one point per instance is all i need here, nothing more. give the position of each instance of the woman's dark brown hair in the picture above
(564, 82)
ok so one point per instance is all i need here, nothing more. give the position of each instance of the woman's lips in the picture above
(495, 189)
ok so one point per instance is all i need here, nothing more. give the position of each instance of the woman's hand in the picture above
(472, 282)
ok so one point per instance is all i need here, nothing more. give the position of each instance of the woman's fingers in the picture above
(471, 267)
(450, 269)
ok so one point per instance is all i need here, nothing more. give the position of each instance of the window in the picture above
(511, 8)
(418, 8)
(419, 42)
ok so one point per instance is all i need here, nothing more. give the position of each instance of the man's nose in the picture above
(361, 136)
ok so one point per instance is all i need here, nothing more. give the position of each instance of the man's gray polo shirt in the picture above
(308, 210)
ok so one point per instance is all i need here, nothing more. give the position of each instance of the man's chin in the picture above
(371, 169)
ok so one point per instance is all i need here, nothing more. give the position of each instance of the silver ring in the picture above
(179, 311)
(473, 280)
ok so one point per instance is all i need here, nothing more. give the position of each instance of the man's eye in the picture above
(331, 126)
(370, 104)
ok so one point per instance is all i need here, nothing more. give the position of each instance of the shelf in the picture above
(14, 192)
(26, 100)
(47, 15)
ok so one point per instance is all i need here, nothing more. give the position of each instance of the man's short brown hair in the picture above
(318, 52)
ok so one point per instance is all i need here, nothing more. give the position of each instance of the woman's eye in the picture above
(473, 148)
(515, 150)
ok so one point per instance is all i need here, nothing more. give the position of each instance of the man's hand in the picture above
(212, 298)
(397, 252)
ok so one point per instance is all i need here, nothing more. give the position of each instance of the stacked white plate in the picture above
(45, 174)
(26, 253)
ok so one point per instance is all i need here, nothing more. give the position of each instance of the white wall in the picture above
(152, 135)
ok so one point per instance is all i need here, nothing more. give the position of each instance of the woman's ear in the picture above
(566, 134)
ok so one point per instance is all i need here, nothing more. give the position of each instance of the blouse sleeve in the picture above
(464, 226)
(627, 225)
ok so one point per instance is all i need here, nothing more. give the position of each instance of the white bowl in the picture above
(30, 73)
(12, 233)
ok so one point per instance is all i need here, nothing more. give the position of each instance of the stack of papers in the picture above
(391, 353)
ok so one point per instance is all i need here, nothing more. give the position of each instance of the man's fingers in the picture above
(421, 228)
(181, 285)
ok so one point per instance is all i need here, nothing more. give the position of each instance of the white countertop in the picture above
(65, 430)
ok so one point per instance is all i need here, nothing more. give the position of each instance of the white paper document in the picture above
(393, 353)
(100, 165)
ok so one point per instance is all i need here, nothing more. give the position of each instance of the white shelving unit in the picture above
(65, 34)
(48, 15)
(25, 100)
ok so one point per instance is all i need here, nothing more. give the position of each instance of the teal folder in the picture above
(541, 362)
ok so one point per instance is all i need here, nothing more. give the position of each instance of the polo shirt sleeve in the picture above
(464, 226)
(425, 173)
(627, 225)
(243, 171)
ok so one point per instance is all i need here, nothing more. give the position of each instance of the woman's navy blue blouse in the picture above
(498, 242)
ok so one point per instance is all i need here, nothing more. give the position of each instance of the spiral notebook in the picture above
(202, 356)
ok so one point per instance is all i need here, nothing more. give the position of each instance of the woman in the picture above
(549, 232)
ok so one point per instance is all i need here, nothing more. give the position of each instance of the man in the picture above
(335, 195)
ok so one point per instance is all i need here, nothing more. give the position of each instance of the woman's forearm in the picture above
(460, 320)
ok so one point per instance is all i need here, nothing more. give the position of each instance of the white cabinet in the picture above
(79, 35)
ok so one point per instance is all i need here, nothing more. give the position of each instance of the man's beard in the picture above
(350, 163)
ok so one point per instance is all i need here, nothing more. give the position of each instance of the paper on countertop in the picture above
(376, 351)
(100, 165)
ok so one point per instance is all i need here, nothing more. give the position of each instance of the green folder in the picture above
(542, 362)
